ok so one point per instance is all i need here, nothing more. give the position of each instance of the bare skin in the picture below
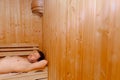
(21, 64)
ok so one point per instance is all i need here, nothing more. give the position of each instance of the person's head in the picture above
(36, 56)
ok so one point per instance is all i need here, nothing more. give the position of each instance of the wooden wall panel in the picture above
(81, 39)
(18, 24)
(54, 38)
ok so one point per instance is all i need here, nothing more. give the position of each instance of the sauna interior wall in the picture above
(18, 24)
(82, 39)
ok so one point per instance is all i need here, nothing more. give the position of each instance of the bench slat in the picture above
(15, 53)
(18, 45)
(18, 49)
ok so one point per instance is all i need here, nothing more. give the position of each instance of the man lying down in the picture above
(35, 60)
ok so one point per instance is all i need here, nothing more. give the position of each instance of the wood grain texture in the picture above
(82, 39)
(18, 24)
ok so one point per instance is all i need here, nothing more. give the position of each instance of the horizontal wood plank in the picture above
(15, 53)
(36, 75)
(18, 49)
(18, 45)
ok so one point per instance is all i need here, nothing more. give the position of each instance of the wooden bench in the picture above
(21, 49)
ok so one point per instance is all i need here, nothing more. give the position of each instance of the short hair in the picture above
(42, 56)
